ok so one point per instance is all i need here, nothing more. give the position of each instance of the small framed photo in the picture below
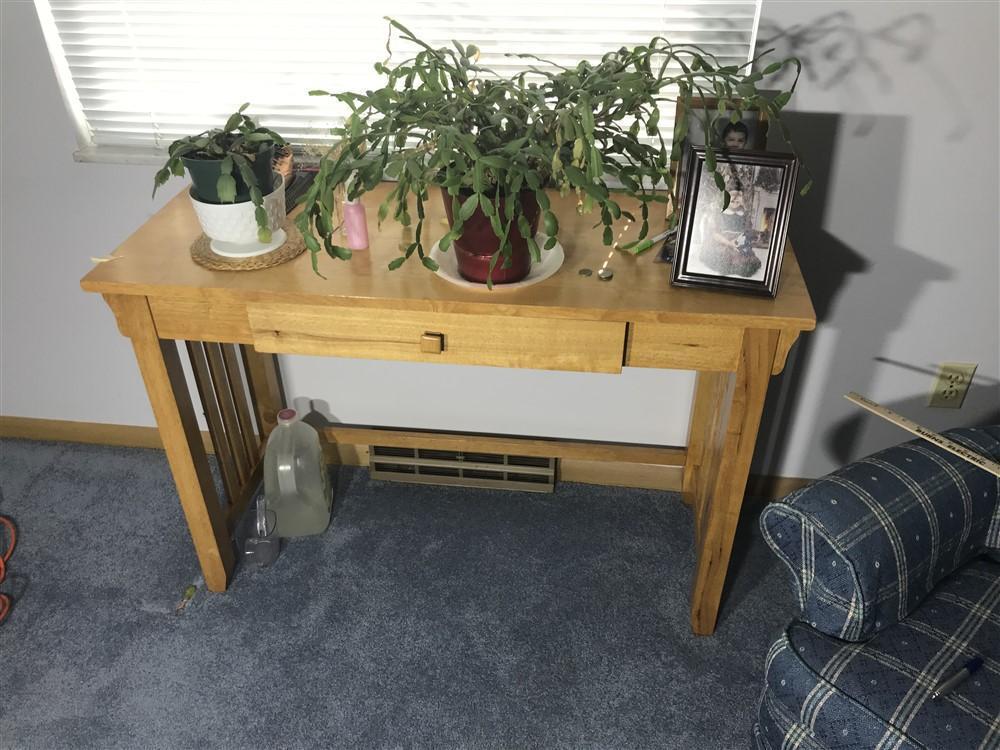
(749, 132)
(736, 246)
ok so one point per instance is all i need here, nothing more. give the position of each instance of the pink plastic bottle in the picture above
(355, 225)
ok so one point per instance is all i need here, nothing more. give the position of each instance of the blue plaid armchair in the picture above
(896, 562)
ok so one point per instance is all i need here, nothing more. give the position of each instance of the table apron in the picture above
(491, 340)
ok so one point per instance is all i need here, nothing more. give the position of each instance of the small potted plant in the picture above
(491, 145)
(234, 190)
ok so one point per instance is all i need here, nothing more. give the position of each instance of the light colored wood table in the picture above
(233, 323)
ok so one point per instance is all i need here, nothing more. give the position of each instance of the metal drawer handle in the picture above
(432, 343)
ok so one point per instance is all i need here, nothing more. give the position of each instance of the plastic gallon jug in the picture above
(296, 482)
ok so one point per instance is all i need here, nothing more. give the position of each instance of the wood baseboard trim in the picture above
(621, 474)
(92, 433)
(614, 473)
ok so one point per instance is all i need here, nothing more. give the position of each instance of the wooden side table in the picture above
(234, 323)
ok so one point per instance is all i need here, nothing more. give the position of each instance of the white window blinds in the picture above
(137, 74)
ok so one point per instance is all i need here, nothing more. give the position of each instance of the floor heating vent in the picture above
(424, 466)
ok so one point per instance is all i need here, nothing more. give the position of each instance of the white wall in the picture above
(898, 240)
(60, 354)
(897, 117)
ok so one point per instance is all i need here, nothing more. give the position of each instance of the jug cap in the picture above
(286, 416)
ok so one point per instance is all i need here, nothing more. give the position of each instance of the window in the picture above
(138, 74)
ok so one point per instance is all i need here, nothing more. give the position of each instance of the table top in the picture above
(156, 261)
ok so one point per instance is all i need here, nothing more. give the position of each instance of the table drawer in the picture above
(684, 347)
(448, 338)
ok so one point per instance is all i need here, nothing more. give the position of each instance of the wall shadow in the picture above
(861, 293)
(862, 283)
(315, 412)
(836, 53)
(861, 279)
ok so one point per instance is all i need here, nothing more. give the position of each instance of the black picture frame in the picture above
(739, 249)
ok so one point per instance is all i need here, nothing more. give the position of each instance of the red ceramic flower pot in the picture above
(478, 242)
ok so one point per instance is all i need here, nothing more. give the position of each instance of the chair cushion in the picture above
(867, 543)
(825, 692)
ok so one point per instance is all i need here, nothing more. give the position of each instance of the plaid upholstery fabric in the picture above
(822, 692)
(777, 727)
(867, 543)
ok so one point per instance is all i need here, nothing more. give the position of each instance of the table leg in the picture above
(166, 386)
(724, 424)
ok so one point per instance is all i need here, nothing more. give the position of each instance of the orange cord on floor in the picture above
(12, 532)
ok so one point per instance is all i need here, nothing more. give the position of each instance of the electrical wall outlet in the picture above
(953, 381)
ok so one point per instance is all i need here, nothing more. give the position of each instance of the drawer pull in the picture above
(432, 343)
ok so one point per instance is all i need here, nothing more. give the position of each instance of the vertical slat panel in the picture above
(239, 392)
(265, 388)
(203, 379)
(224, 396)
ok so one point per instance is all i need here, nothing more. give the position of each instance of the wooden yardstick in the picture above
(932, 437)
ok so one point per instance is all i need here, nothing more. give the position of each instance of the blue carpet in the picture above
(424, 617)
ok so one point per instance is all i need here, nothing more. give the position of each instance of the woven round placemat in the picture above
(201, 253)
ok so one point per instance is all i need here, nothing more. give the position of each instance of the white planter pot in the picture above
(232, 227)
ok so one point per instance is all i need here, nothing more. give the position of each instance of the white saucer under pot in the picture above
(232, 227)
(550, 262)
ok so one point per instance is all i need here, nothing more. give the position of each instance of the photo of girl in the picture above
(734, 242)
(750, 132)
(735, 136)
